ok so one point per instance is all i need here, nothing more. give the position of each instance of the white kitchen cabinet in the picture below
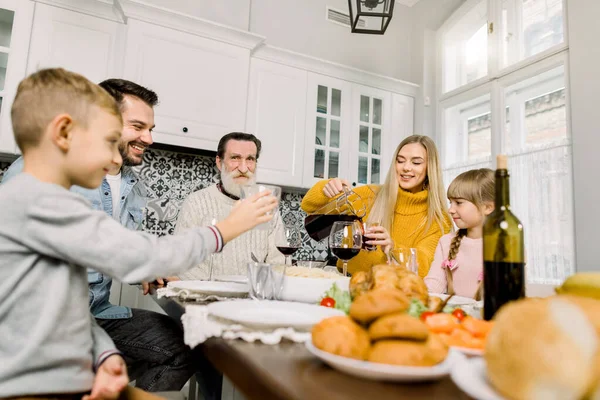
(403, 117)
(276, 115)
(15, 30)
(201, 83)
(328, 127)
(78, 42)
(352, 130)
(371, 135)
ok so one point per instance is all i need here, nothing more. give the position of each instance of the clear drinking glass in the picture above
(289, 242)
(250, 190)
(405, 257)
(345, 241)
(265, 281)
(366, 226)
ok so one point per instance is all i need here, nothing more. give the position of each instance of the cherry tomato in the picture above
(328, 302)
(459, 314)
(426, 314)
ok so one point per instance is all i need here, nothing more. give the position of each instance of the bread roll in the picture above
(377, 303)
(341, 336)
(398, 326)
(542, 349)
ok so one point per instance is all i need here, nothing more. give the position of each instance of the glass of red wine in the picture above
(345, 241)
(289, 242)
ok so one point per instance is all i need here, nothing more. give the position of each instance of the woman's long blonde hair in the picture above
(385, 202)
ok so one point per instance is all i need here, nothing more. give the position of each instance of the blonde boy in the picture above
(68, 130)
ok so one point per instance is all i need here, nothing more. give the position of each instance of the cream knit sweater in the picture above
(200, 208)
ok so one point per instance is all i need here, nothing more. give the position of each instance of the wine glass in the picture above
(289, 242)
(345, 241)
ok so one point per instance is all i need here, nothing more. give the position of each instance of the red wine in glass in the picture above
(345, 241)
(287, 250)
(344, 253)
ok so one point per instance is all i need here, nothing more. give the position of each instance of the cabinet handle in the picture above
(185, 129)
(353, 183)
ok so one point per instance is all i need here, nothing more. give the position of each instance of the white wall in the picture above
(234, 13)
(584, 76)
(300, 26)
(427, 17)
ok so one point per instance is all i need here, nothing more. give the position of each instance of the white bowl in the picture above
(310, 290)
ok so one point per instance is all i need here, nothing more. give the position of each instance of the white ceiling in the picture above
(408, 3)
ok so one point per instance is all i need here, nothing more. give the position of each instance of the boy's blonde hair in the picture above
(49, 92)
(385, 202)
(478, 187)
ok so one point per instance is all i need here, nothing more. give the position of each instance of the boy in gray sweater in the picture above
(68, 130)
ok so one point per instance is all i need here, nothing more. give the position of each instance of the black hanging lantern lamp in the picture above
(376, 14)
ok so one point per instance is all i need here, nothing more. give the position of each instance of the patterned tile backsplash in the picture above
(170, 177)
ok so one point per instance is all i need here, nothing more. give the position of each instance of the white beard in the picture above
(230, 186)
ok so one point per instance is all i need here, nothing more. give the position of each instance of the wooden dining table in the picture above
(287, 371)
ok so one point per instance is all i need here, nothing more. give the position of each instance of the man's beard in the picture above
(128, 161)
(230, 186)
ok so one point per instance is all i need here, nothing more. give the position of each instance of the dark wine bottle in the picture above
(503, 249)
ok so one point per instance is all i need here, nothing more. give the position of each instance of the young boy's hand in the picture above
(111, 379)
(247, 214)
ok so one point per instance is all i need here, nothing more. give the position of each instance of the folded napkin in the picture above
(199, 325)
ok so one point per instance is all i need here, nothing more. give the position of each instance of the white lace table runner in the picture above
(187, 295)
(198, 326)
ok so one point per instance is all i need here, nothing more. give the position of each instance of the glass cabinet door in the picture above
(7, 18)
(369, 139)
(327, 122)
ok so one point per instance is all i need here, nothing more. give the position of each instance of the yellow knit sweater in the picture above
(408, 228)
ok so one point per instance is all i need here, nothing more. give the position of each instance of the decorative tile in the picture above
(3, 167)
(170, 177)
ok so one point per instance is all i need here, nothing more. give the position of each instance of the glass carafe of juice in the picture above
(347, 206)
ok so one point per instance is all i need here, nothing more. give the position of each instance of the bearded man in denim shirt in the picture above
(151, 343)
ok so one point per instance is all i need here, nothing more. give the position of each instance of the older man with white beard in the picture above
(237, 156)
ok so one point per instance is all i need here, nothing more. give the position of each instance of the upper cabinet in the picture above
(371, 136)
(15, 28)
(276, 115)
(352, 130)
(328, 127)
(201, 83)
(89, 45)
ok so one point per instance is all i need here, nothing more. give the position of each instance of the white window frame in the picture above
(495, 84)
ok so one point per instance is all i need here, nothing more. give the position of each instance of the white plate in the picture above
(385, 372)
(469, 352)
(232, 278)
(310, 290)
(469, 374)
(272, 314)
(455, 300)
(230, 289)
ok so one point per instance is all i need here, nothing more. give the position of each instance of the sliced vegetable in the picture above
(341, 298)
(442, 323)
(476, 327)
(459, 314)
(328, 302)
(426, 314)
(416, 308)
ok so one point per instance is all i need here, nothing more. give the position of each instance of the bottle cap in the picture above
(501, 161)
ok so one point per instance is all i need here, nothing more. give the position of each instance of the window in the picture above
(530, 27)
(521, 112)
(465, 48)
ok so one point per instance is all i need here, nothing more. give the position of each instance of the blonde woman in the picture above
(409, 207)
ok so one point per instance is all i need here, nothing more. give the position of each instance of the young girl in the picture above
(457, 267)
